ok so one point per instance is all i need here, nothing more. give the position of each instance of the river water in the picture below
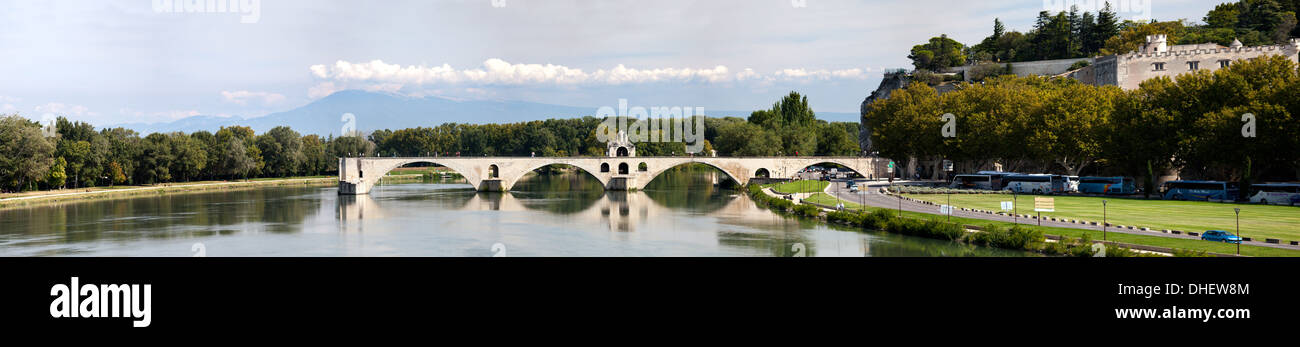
(682, 213)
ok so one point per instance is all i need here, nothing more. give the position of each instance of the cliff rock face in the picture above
(892, 82)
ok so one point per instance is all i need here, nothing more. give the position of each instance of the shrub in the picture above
(1190, 253)
(931, 229)
(808, 210)
(1079, 65)
(877, 220)
(844, 217)
(1017, 237)
(984, 70)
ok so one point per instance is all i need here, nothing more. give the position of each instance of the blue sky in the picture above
(123, 61)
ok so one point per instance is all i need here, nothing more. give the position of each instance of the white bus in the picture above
(1036, 184)
(1276, 194)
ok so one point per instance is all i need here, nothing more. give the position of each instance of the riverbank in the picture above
(30, 199)
(1013, 237)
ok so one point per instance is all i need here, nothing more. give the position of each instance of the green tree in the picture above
(938, 54)
(237, 163)
(315, 160)
(747, 139)
(189, 157)
(155, 159)
(57, 177)
(281, 150)
(25, 154)
(77, 155)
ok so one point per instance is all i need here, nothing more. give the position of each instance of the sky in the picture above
(145, 61)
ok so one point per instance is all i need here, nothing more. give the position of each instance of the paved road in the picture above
(873, 197)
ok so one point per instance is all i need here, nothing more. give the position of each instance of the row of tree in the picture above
(75, 154)
(1236, 123)
(1076, 34)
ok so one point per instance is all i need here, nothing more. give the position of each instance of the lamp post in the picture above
(1103, 220)
(1015, 207)
(949, 205)
(1239, 238)
(900, 204)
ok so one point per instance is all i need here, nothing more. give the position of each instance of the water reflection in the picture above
(683, 213)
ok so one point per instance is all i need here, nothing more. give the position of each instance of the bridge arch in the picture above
(864, 172)
(600, 173)
(645, 178)
(474, 177)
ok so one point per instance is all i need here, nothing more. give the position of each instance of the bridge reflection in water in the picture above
(687, 215)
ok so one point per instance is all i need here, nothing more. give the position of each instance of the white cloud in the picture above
(8, 108)
(821, 75)
(322, 90)
(499, 72)
(242, 97)
(61, 109)
(7, 99)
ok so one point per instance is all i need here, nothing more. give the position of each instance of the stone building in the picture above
(620, 146)
(1155, 58)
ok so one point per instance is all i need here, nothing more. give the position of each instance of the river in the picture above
(682, 213)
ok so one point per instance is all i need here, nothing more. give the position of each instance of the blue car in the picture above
(1220, 236)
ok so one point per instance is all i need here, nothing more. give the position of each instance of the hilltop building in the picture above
(1155, 58)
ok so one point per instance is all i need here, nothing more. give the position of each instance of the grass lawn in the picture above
(1257, 221)
(1150, 240)
(804, 186)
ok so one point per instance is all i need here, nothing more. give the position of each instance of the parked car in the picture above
(1220, 236)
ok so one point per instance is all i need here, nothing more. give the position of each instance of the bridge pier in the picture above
(491, 185)
(622, 183)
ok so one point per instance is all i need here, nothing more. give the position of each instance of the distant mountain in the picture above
(389, 111)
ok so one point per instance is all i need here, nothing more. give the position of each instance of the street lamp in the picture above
(1015, 208)
(900, 204)
(949, 204)
(1103, 220)
(1239, 238)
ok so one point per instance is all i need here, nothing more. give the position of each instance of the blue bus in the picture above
(1107, 185)
(1201, 190)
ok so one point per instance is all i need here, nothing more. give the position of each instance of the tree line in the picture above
(1236, 123)
(1074, 34)
(76, 154)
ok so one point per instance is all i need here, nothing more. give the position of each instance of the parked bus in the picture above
(988, 180)
(1276, 193)
(1107, 185)
(1201, 190)
(1036, 184)
(972, 182)
(1071, 184)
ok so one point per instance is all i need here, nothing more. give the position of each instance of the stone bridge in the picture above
(358, 175)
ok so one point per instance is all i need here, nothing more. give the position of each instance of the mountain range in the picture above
(376, 110)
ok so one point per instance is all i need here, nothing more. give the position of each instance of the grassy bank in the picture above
(1191, 247)
(804, 186)
(1257, 221)
(31, 199)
